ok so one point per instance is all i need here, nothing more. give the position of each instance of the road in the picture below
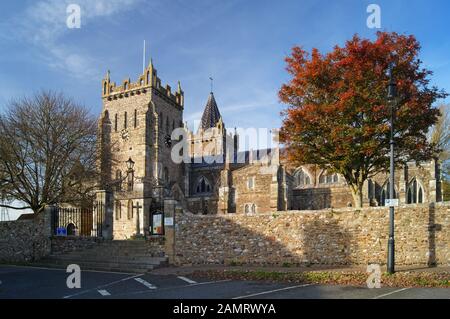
(18, 282)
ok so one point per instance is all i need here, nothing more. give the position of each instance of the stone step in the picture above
(124, 259)
(104, 254)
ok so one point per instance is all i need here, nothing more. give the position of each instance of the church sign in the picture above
(157, 227)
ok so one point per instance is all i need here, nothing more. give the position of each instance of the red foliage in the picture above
(338, 115)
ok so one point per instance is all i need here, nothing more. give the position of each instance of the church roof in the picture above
(211, 114)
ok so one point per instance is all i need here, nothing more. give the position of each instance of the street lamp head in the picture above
(130, 164)
(392, 86)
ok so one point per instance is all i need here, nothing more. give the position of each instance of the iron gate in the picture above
(73, 221)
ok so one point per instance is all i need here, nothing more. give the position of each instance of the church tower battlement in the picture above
(146, 81)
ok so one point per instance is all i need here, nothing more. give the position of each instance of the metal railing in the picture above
(73, 221)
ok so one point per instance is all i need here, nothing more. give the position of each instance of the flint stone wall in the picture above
(64, 245)
(333, 236)
(25, 240)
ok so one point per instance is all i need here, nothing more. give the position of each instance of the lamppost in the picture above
(130, 165)
(391, 96)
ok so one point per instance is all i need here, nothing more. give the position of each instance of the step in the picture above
(124, 259)
(107, 255)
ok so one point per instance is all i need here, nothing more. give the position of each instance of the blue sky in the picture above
(241, 44)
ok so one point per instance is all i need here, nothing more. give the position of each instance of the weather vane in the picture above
(211, 79)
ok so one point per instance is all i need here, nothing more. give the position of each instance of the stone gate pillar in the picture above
(170, 207)
(103, 214)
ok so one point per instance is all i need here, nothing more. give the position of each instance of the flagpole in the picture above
(143, 60)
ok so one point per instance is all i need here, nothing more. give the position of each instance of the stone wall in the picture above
(25, 240)
(335, 237)
(64, 245)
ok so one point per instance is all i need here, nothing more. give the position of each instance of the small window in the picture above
(125, 120)
(116, 119)
(167, 125)
(118, 209)
(135, 119)
(105, 86)
(130, 210)
(130, 181)
(118, 180)
(166, 176)
(251, 183)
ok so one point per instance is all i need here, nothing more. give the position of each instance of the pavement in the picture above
(185, 270)
(22, 282)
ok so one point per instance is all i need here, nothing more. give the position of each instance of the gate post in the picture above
(169, 229)
(49, 220)
(103, 215)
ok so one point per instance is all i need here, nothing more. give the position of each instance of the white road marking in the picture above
(189, 281)
(145, 283)
(102, 286)
(172, 288)
(64, 269)
(272, 291)
(390, 293)
(104, 292)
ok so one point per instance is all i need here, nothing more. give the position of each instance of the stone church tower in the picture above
(136, 122)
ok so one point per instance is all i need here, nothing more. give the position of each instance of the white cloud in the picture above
(43, 25)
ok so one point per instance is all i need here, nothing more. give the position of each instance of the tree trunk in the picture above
(357, 194)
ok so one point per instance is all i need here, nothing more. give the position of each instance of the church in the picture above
(135, 146)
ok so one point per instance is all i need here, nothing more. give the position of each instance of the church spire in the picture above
(211, 115)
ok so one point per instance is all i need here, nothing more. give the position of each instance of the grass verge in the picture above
(345, 278)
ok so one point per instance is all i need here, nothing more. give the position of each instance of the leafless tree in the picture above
(440, 133)
(47, 151)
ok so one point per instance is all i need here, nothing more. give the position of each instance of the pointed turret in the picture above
(211, 115)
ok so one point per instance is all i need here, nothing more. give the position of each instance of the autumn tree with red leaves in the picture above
(338, 114)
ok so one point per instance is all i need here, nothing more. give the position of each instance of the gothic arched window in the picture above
(415, 192)
(385, 193)
(203, 186)
(301, 178)
(328, 178)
